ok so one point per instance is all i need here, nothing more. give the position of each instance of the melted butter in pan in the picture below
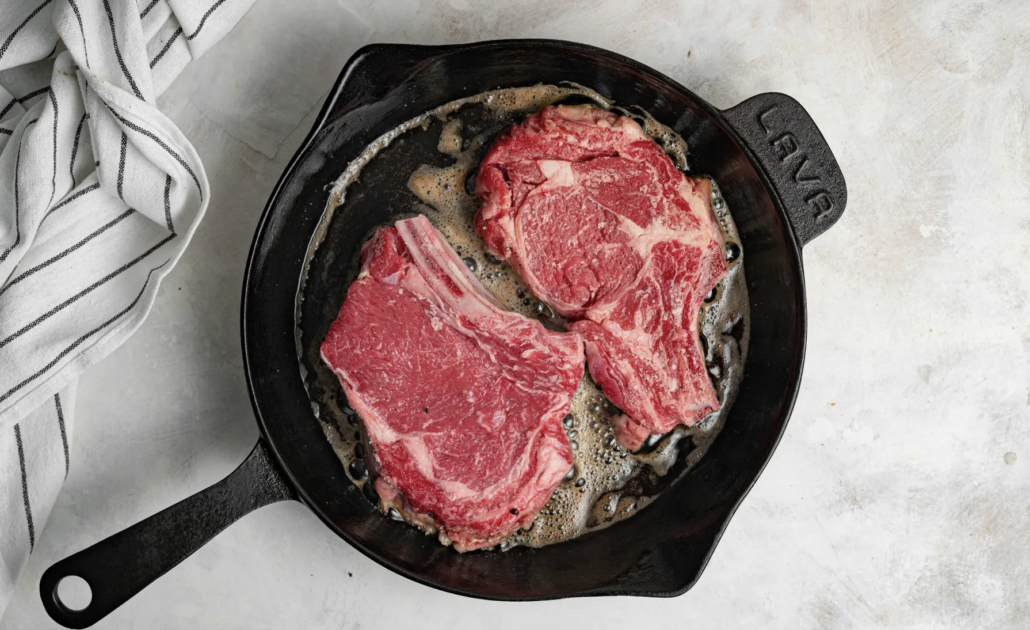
(606, 484)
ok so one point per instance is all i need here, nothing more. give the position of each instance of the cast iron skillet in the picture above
(784, 188)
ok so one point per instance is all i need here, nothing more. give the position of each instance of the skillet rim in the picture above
(424, 53)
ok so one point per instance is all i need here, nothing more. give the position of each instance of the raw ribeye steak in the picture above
(462, 400)
(601, 225)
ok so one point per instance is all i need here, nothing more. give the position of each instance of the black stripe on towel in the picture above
(17, 226)
(53, 180)
(118, 51)
(7, 108)
(42, 318)
(164, 146)
(168, 44)
(87, 189)
(204, 19)
(25, 487)
(15, 100)
(150, 6)
(81, 31)
(64, 433)
(7, 43)
(121, 166)
(34, 94)
(83, 338)
(103, 228)
(75, 148)
(168, 203)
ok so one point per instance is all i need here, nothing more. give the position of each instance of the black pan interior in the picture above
(661, 550)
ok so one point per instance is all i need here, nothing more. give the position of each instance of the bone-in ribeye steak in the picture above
(602, 226)
(462, 400)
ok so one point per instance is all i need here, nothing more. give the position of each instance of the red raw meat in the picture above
(602, 226)
(462, 400)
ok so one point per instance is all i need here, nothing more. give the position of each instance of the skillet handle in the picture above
(120, 566)
(784, 140)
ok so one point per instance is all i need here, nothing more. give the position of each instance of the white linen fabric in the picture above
(99, 196)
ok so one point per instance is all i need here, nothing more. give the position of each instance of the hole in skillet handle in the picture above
(69, 598)
(73, 593)
(118, 567)
(794, 156)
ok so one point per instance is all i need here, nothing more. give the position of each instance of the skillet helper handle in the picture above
(784, 140)
(124, 564)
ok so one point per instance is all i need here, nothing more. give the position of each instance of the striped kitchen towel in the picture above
(99, 195)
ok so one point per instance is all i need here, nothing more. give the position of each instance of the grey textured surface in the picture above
(898, 496)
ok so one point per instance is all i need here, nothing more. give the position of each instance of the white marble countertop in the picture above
(898, 497)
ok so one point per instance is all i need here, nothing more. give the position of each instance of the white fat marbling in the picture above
(898, 496)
